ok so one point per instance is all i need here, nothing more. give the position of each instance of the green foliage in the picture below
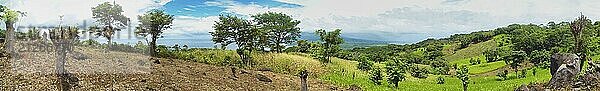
(474, 61)
(376, 76)
(90, 43)
(303, 46)
(486, 67)
(280, 30)
(395, 70)
(440, 80)
(433, 52)
(33, 33)
(140, 46)
(523, 74)
(463, 75)
(540, 58)
(502, 75)
(515, 59)
(330, 45)
(109, 19)
(364, 64)
(164, 52)
(440, 67)
(232, 29)
(419, 72)
(153, 23)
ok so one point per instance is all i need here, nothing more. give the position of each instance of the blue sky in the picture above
(373, 19)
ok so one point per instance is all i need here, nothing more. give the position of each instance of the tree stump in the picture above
(303, 76)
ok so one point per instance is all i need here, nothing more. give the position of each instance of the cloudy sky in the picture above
(369, 19)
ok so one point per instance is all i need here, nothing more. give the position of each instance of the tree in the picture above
(577, 28)
(364, 64)
(440, 80)
(33, 33)
(281, 29)
(502, 75)
(540, 58)
(232, 29)
(330, 44)
(515, 59)
(153, 23)
(10, 17)
(463, 75)
(395, 70)
(109, 19)
(376, 76)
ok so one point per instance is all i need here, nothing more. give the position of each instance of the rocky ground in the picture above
(92, 69)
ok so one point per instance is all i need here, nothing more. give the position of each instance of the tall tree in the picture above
(331, 44)
(515, 59)
(281, 29)
(395, 70)
(463, 75)
(10, 17)
(231, 29)
(153, 23)
(110, 19)
(577, 28)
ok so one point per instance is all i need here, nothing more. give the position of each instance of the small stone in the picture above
(263, 78)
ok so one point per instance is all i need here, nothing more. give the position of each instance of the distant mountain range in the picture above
(351, 39)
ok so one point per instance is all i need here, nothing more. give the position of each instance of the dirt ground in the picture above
(34, 70)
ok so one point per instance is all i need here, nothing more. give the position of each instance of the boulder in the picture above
(571, 60)
(564, 67)
(563, 78)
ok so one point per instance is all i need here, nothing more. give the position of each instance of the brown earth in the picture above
(131, 71)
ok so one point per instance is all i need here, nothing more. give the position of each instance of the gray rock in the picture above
(563, 78)
(564, 67)
(263, 78)
(571, 60)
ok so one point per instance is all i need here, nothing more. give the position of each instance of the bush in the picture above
(395, 70)
(502, 75)
(440, 80)
(419, 72)
(376, 76)
(441, 70)
(163, 52)
(523, 73)
(364, 64)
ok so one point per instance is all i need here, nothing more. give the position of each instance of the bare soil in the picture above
(34, 70)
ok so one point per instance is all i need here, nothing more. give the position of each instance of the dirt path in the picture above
(129, 71)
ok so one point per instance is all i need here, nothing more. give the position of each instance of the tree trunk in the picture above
(153, 46)
(465, 87)
(109, 44)
(10, 38)
(303, 77)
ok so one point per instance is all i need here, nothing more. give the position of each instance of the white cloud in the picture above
(436, 18)
(47, 12)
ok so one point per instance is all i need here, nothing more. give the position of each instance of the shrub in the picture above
(419, 72)
(463, 75)
(364, 64)
(395, 70)
(440, 80)
(523, 73)
(376, 76)
(502, 75)
(163, 52)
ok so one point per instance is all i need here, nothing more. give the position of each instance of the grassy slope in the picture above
(342, 72)
(486, 67)
(472, 51)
